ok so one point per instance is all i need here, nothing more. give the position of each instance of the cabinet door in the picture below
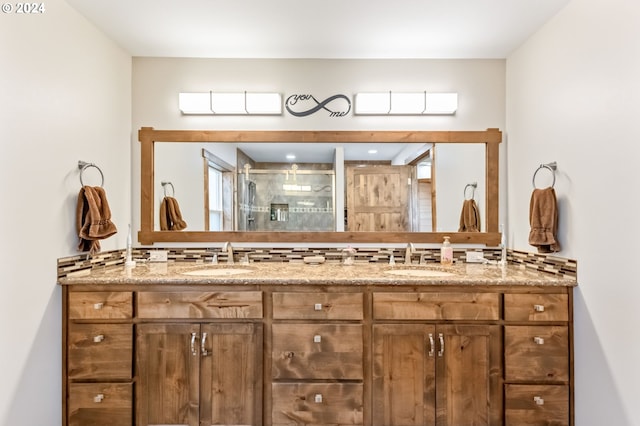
(467, 375)
(443, 375)
(297, 404)
(100, 404)
(317, 351)
(231, 375)
(100, 351)
(404, 382)
(168, 361)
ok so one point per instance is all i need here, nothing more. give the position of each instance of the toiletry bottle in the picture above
(348, 255)
(446, 252)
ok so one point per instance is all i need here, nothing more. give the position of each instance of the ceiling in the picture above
(319, 29)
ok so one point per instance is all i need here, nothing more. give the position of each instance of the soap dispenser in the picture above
(446, 252)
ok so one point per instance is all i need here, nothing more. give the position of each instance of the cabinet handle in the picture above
(441, 338)
(431, 345)
(538, 308)
(317, 338)
(98, 398)
(194, 352)
(98, 306)
(538, 400)
(538, 340)
(203, 350)
(99, 338)
(318, 398)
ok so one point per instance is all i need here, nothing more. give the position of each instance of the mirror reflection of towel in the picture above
(543, 218)
(469, 217)
(170, 215)
(93, 218)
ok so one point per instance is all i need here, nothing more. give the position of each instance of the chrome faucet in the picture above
(226, 247)
(408, 252)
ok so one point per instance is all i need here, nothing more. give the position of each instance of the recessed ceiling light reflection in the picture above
(291, 157)
(373, 151)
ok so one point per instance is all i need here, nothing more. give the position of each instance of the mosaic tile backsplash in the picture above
(540, 262)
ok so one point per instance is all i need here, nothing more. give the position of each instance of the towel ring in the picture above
(473, 187)
(83, 165)
(164, 187)
(549, 166)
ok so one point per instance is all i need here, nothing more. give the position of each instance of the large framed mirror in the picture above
(311, 199)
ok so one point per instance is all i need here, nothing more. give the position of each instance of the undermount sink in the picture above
(218, 272)
(419, 273)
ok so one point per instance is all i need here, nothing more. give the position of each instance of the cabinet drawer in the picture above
(100, 351)
(347, 306)
(436, 306)
(100, 404)
(536, 307)
(536, 353)
(316, 404)
(100, 305)
(198, 304)
(528, 405)
(317, 351)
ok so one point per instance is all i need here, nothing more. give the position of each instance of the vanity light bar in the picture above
(405, 103)
(237, 103)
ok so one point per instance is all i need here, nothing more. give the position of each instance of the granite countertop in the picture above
(323, 274)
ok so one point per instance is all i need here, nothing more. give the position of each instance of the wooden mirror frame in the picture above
(148, 136)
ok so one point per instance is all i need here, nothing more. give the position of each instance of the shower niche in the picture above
(285, 197)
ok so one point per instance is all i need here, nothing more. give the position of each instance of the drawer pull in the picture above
(538, 340)
(203, 350)
(98, 398)
(194, 352)
(441, 338)
(317, 338)
(98, 306)
(317, 307)
(538, 400)
(431, 345)
(99, 338)
(318, 398)
(538, 308)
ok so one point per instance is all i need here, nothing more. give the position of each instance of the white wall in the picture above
(65, 95)
(573, 96)
(157, 82)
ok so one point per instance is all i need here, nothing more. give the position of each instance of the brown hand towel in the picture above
(469, 217)
(93, 218)
(164, 218)
(170, 215)
(543, 218)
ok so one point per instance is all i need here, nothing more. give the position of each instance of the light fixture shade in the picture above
(405, 103)
(227, 103)
(264, 103)
(372, 103)
(194, 103)
(230, 103)
(441, 103)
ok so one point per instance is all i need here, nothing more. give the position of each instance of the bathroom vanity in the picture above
(291, 344)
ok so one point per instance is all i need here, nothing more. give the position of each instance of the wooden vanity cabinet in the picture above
(317, 367)
(202, 372)
(537, 350)
(276, 355)
(98, 353)
(430, 371)
(199, 374)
